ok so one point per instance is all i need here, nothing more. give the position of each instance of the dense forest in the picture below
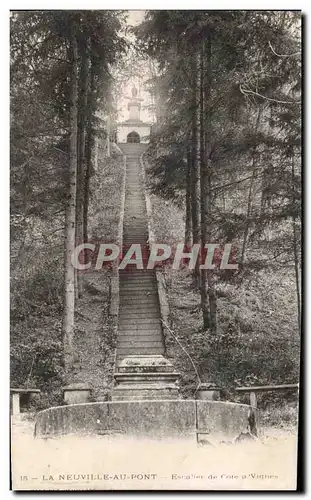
(223, 166)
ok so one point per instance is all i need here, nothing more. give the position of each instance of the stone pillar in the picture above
(16, 403)
(76, 393)
(95, 153)
(208, 392)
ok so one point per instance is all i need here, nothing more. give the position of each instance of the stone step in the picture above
(126, 309)
(133, 189)
(139, 285)
(127, 293)
(140, 291)
(139, 344)
(137, 306)
(133, 181)
(145, 278)
(135, 202)
(135, 303)
(129, 223)
(136, 278)
(129, 308)
(132, 237)
(137, 272)
(130, 219)
(131, 282)
(141, 280)
(139, 315)
(135, 198)
(130, 232)
(140, 335)
(142, 294)
(143, 394)
(139, 323)
(128, 241)
(140, 329)
(139, 365)
(125, 351)
(133, 217)
(145, 377)
(140, 397)
(143, 385)
(143, 337)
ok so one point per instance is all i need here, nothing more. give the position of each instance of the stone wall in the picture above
(157, 419)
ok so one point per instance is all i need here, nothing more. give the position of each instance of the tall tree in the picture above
(70, 221)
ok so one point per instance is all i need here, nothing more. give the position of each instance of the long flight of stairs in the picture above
(140, 346)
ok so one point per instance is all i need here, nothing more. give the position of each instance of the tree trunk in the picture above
(70, 218)
(296, 262)
(296, 258)
(250, 194)
(108, 137)
(208, 292)
(248, 213)
(195, 167)
(90, 144)
(82, 118)
(188, 223)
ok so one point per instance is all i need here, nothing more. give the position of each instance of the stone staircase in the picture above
(140, 345)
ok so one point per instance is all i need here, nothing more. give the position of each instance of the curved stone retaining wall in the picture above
(157, 419)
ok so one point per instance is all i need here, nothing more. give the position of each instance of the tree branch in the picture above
(283, 55)
(247, 92)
